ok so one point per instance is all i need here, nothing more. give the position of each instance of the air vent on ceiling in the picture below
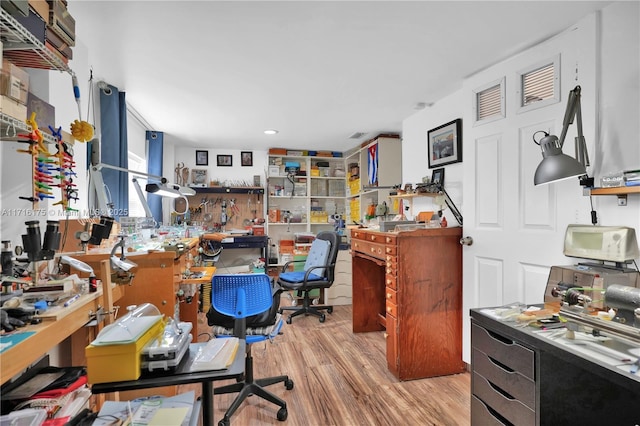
(357, 135)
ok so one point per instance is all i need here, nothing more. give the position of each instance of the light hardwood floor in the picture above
(341, 378)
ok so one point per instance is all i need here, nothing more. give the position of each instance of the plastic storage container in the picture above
(167, 351)
(115, 355)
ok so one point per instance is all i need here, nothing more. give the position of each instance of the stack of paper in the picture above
(217, 354)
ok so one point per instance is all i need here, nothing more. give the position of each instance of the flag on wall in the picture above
(373, 164)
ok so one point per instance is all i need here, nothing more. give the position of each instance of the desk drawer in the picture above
(391, 281)
(513, 383)
(391, 261)
(391, 309)
(391, 250)
(390, 240)
(370, 249)
(505, 351)
(391, 295)
(483, 415)
(504, 404)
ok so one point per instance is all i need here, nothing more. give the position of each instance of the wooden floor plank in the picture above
(341, 378)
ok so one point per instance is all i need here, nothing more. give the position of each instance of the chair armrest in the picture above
(286, 265)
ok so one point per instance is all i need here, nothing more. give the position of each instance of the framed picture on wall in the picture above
(444, 144)
(437, 176)
(202, 158)
(246, 158)
(199, 177)
(225, 161)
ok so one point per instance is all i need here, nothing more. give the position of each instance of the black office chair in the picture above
(240, 301)
(318, 273)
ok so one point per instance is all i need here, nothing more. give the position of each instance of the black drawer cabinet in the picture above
(519, 378)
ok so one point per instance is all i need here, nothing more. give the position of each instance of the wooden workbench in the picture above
(70, 323)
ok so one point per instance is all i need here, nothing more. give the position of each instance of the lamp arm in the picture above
(573, 108)
(101, 166)
(143, 200)
(451, 206)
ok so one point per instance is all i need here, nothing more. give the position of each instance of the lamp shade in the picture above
(555, 165)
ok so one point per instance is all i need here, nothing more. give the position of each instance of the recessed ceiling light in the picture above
(270, 132)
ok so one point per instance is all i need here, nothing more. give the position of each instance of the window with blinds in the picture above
(539, 84)
(489, 102)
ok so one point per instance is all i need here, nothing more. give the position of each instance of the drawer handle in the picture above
(385, 334)
(389, 295)
(373, 238)
(389, 309)
(373, 249)
(500, 365)
(389, 282)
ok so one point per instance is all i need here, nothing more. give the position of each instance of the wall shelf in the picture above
(228, 190)
(620, 190)
(8, 124)
(24, 50)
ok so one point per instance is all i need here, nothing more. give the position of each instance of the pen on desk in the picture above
(70, 301)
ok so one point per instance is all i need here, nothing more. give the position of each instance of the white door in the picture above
(517, 228)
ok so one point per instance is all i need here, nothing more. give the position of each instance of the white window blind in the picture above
(489, 103)
(538, 85)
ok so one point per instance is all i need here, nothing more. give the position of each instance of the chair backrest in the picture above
(333, 238)
(241, 295)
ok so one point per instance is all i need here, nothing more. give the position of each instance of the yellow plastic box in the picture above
(115, 363)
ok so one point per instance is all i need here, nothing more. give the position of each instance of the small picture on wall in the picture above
(202, 158)
(247, 158)
(444, 144)
(199, 177)
(225, 161)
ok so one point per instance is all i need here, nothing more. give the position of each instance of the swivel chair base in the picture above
(250, 386)
(307, 309)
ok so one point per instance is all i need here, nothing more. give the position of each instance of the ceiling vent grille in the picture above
(357, 135)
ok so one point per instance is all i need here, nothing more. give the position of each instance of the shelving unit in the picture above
(359, 194)
(24, 50)
(305, 200)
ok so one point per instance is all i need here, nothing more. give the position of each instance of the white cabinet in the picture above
(304, 193)
(361, 190)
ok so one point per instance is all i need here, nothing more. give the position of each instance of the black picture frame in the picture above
(246, 158)
(225, 160)
(437, 177)
(202, 158)
(444, 144)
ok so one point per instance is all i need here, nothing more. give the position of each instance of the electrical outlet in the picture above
(622, 201)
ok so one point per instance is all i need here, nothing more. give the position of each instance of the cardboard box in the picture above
(45, 113)
(14, 82)
(41, 7)
(13, 108)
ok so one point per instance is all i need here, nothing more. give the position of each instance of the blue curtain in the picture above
(114, 147)
(155, 142)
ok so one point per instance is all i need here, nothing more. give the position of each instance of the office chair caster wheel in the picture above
(288, 384)
(224, 422)
(322, 318)
(330, 309)
(282, 414)
(288, 320)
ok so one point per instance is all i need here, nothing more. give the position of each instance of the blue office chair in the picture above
(248, 299)
(318, 273)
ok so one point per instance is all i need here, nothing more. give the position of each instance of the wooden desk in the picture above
(410, 283)
(50, 333)
(157, 280)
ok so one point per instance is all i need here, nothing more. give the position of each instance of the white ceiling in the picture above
(215, 74)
